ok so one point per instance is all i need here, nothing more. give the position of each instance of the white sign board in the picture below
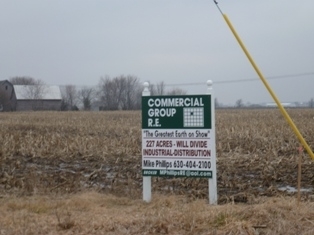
(178, 139)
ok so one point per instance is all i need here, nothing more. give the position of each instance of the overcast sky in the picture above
(176, 41)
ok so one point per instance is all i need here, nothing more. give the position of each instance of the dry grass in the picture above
(67, 135)
(94, 213)
(49, 160)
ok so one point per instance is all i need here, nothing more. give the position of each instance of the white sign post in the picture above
(212, 182)
(178, 138)
(147, 181)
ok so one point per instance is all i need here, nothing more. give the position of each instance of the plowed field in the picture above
(68, 152)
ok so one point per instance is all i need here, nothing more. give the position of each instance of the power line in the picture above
(244, 80)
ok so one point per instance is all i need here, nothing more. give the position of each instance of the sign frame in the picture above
(178, 138)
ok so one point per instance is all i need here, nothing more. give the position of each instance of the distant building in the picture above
(286, 105)
(7, 96)
(37, 97)
(29, 97)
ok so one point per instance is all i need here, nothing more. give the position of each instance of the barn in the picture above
(7, 96)
(37, 97)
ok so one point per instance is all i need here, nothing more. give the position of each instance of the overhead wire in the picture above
(244, 80)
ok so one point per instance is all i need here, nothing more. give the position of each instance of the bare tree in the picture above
(24, 80)
(311, 103)
(161, 88)
(152, 89)
(239, 103)
(86, 96)
(110, 93)
(35, 91)
(158, 88)
(217, 105)
(29, 88)
(34, 88)
(123, 92)
(131, 97)
(176, 91)
(69, 98)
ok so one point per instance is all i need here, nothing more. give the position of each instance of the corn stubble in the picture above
(58, 154)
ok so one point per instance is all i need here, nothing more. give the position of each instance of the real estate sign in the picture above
(177, 136)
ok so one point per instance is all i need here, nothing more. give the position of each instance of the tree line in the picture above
(117, 93)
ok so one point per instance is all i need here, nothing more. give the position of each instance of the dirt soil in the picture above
(250, 163)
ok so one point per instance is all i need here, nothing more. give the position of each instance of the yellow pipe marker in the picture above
(283, 111)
